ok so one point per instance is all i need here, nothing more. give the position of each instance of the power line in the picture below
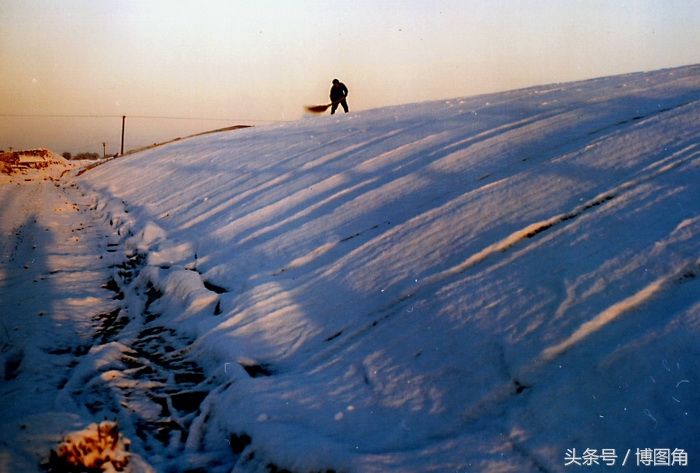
(204, 118)
(147, 117)
(37, 115)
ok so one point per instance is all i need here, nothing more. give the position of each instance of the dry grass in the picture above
(99, 448)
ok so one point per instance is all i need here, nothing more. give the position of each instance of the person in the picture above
(338, 94)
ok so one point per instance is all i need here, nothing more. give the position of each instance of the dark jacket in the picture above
(338, 92)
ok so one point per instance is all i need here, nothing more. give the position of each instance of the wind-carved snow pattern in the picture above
(685, 155)
(477, 284)
(619, 308)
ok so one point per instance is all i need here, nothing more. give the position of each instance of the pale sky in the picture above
(264, 60)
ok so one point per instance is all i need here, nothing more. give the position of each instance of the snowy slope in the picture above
(476, 284)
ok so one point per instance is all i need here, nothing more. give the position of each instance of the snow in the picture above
(50, 262)
(478, 284)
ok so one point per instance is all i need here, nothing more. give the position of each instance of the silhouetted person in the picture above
(338, 94)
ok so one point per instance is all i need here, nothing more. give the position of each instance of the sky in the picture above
(87, 63)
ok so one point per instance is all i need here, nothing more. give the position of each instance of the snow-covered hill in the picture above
(478, 284)
(481, 282)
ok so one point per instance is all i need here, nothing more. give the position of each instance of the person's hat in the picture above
(336, 81)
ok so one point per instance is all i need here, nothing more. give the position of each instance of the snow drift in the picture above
(478, 284)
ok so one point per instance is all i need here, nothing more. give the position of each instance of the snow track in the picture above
(87, 346)
(51, 262)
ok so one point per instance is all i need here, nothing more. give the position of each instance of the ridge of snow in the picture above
(476, 284)
(427, 283)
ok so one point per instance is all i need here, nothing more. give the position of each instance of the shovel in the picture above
(322, 108)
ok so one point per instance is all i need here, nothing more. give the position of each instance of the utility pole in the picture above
(123, 125)
(104, 149)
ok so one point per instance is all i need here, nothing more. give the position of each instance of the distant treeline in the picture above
(80, 156)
